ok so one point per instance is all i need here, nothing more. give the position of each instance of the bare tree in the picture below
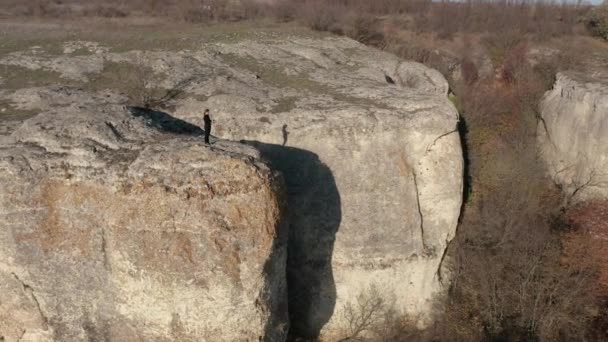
(142, 85)
(373, 316)
(510, 277)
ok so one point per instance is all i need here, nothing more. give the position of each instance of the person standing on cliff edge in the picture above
(207, 121)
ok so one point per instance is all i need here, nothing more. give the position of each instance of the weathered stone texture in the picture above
(573, 134)
(374, 171)
(113, 230)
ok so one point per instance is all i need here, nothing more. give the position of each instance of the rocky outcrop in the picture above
(373, 168)
(118, 226)
(573, 134)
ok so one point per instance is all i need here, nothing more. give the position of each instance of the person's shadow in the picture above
(285, 134)
(314, 218)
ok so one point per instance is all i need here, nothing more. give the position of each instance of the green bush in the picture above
(597, 21)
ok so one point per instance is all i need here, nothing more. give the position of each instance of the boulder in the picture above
(573, 134)
(122, 225)
(367, 144)
(374, 170)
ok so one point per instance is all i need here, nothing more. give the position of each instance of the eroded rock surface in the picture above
(573, 134)
(373, 168)
(123, 227)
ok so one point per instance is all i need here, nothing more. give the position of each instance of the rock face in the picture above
(374, 169)
(114, 230)
(573, 134)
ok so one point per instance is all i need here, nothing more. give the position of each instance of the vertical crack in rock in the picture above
(104, 252)
(30, 292)
(424, 247)
(20, 337)
(540, 118)
(443, 256)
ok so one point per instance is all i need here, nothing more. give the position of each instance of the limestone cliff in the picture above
(112, 229)
(573, 134)
(373, 169)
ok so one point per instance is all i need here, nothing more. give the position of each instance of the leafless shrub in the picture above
(499, 45)
(284, 11)
(368, 314)
(364, 29)
(596, 21)
(162, 99)
(46, 8)
(188, 10)
(446, 18)
(544, 19)
(413, 52)
(470, 74)
(510, 280)
(139, 83)
(593, 179)
(586, 238)
(585, 241)
(105, 12)
(321, 17)
(193, 12)
(373, 317)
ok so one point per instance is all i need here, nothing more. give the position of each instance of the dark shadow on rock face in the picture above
(463, 131)
(314, 218)
(165, 122)
(275, 293)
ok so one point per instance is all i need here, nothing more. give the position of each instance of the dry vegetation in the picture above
(597, 21)
(519, 270)
(513, 265)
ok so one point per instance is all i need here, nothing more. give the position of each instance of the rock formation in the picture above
(573, 134)
(374, 171)
(112, 229)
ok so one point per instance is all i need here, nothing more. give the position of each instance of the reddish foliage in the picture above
(514, 63)
(587, 243)
(469, 71)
